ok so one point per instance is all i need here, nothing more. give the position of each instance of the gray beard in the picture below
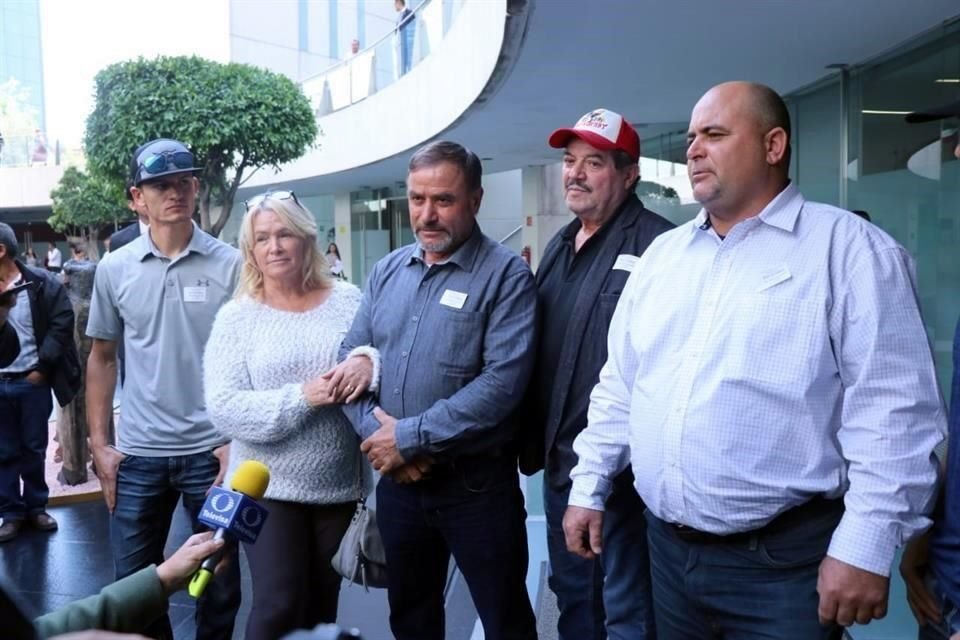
(439, 246)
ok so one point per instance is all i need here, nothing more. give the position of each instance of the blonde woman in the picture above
(265, 388)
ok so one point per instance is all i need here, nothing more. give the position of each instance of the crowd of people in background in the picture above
(738, 418)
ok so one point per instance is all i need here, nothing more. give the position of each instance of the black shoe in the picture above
(10, 530)
(43, 521)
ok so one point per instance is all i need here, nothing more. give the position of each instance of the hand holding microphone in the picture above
(232, 512)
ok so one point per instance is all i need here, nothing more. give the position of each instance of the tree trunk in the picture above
(220, 220)
(93, 243)
(72, 426)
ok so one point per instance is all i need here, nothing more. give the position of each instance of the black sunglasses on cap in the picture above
(164, 161)
(256, 201)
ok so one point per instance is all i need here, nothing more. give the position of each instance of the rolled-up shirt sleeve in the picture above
(360, 412)
(892, 414)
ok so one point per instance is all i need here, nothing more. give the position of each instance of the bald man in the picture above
(770, 379)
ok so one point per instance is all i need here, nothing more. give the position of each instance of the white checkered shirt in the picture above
(747, 375)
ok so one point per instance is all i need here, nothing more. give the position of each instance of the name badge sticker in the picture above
(773, 278)
(626, 262)
(195, 294)
(453, 299)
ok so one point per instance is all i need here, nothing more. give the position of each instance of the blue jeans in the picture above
(613, 589)
(949, 617)
(24, 416)
(764, 587)
(147, 493)
(476, 513)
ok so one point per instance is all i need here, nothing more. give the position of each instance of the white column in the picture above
(341, 222)
(544, 208)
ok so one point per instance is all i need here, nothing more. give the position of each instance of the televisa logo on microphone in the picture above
(241, 516)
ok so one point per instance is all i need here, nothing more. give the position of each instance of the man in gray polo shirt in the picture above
(159, 295)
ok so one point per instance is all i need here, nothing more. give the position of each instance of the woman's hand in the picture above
(350, 379)
(319, 392)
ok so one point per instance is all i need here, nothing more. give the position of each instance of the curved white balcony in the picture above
(457, 58)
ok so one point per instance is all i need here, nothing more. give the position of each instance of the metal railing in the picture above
(34, 151)
(507, 237)
(385, 61)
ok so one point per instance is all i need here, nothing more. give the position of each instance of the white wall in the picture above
(544, 205)
(502, 208)
(267, 34)
(276, 46)
(28, 186)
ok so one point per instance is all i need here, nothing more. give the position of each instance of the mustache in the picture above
(578, 184)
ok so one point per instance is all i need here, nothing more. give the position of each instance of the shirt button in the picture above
(404, 354)
(413, 319)
(396, 392)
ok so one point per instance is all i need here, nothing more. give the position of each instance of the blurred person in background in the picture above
(54, 261)
(43, 319)
(334, 261)
(38, 154)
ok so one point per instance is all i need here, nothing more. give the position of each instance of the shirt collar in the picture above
(200, 242)
(569, 232)
(781, 212)
(464, 257)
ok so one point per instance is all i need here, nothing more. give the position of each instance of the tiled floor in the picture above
(49, 570)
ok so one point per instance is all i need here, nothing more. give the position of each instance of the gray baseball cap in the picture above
(158, 158)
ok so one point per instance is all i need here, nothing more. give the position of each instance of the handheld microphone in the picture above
(233, 512)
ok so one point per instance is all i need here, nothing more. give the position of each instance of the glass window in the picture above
(815, 165)
(664, 186)
(905, 176)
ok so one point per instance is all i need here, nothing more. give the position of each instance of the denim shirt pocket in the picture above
(461, 353)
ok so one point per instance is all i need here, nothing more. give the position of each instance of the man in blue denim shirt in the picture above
(453, 318)
(931, 563)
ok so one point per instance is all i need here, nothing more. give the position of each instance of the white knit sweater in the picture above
(255, 363)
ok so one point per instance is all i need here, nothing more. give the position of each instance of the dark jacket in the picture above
(124, 236)
(53, 321)
(9, 344)
(585, 345)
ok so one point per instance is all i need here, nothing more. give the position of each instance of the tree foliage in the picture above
(235, 118)
(81, 203)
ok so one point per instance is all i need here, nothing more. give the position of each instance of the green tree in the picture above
(82, 203)
(234, 117)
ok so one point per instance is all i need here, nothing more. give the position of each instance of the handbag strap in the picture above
(361, 499)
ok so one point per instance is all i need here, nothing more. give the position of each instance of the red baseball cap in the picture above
(602, 129)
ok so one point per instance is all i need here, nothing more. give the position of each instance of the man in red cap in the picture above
(583, 270)
(931, 563)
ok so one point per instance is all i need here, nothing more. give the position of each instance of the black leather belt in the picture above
(13, 375)
(788, 520)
